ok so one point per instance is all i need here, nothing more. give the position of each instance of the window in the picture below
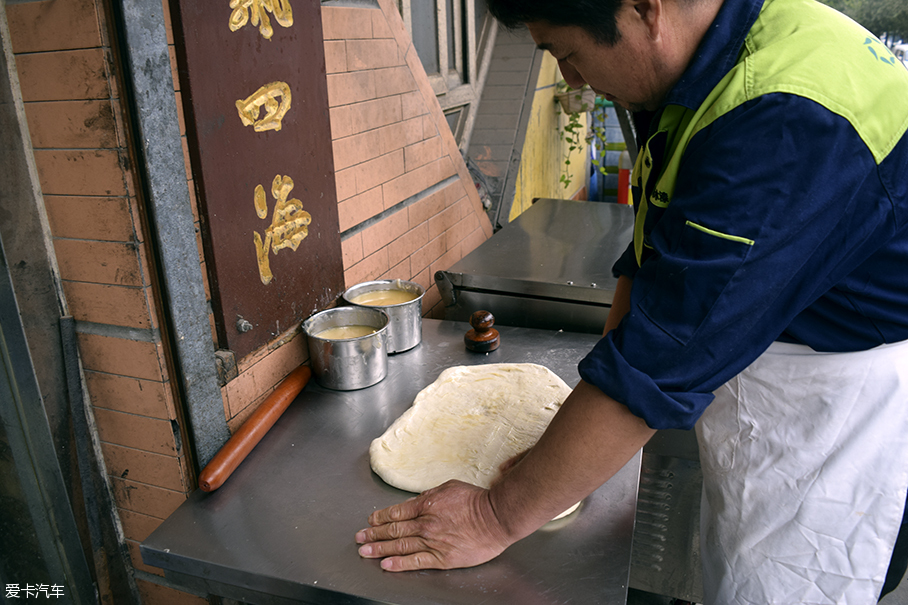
(452, 38)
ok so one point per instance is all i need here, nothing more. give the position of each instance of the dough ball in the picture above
(466, 424)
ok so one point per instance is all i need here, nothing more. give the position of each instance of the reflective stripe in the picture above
(733, 238)
(788, 44)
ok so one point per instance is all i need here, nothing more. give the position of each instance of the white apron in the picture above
(805, 469)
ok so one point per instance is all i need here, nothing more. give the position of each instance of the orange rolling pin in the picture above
(244, 440)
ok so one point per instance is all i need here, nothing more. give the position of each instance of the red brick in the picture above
(413, 104)
(80, 172)
(351, 87)
(418, 180)
(352, 250)
(335, 56)
(446, 260)
(72, 124)
(99, 262)
(98, 218)
(473, 241)
(174, 69)
(428, 254)
(120, 356)
(429, 127)
(390, 13)
(381, 234)
(393, 81)
(422, 153)
(368, 269)
(408, 243)
(255, 383)
(355, 210)
(400, 134)
(43, 26)
(344, 23)
(380, 170)
(372, 54)
(146, 499)
(399, 271)
(460, 230)
(424, 279)
(137, 526)
(139, 432)
(151, 398)
(106, 304)
(380, 28)
(63, 75)
(429, 206)
(345, 181)
(181, 117)
(168, 28)
(443, 221)
(356, 149)
(169, 472)
(360, 117)
(432, 305)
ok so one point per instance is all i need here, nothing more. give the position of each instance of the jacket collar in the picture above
(717, 54)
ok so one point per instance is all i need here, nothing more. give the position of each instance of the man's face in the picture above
(628, 73)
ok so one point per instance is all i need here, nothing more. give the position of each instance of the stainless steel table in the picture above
(281, 529)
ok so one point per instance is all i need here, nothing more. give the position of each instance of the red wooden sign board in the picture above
(252, 75)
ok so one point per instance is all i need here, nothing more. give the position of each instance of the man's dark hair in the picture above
(597, 17)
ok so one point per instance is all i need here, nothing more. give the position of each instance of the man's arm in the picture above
(459, 525)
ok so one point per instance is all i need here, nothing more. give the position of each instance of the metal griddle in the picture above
(281, 529)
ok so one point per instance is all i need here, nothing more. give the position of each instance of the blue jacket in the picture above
(786, 216)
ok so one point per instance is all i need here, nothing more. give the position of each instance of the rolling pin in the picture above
(244, 440)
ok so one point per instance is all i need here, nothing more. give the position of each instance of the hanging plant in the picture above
(574, 103)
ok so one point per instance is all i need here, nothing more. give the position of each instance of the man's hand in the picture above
(447, 527)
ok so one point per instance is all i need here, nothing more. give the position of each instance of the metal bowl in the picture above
(348, 364)
(406, 318)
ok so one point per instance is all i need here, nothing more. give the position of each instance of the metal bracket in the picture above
(446, 288)
(226, 362)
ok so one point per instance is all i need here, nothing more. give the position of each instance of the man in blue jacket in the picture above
(764, 299)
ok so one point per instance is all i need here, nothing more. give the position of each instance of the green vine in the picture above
(571, 132)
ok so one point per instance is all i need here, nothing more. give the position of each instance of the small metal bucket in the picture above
(406, 317)
(350, 363)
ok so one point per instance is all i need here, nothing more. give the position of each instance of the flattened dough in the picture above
(466, 424)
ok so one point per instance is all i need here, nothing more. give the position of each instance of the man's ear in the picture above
(650, 13)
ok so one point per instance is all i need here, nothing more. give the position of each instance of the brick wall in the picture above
(72, 103)
(407, 208)
(406, 203)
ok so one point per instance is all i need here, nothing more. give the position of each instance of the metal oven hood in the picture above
(551, 268)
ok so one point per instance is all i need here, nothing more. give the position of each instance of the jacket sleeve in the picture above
(769, 212)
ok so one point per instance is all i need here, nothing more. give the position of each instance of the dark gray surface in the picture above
(162, 177)
(283, 524)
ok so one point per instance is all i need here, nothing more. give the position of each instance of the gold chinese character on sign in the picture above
(257, 12)
(289, 224)
(266, 97)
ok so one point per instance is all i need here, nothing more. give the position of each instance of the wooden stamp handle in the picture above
(482, 338)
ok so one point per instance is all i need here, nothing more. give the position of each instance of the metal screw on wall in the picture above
(242, 325)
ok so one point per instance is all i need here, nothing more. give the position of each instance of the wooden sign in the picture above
(252, 75)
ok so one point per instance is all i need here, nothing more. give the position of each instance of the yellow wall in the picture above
(542, 159)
